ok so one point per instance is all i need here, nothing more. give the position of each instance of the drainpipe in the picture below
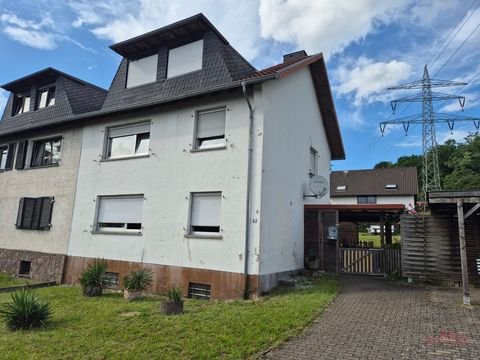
(249, 171)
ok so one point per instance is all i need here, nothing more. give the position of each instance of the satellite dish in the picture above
(318, 186)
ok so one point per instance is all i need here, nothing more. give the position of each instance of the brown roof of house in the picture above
(402, 181)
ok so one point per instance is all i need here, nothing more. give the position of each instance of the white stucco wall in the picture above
(292, 124)
(58, 181)
(166, 179)
(381, 200)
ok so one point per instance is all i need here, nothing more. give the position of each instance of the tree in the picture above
(383, 165)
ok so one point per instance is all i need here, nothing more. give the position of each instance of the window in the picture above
(46, 152)
(210, 129)
(142, 71)
(3, 157)
(35, 213)
(185, 59)
(199, 291)
(313, 161)
(111, 280)
(391, 187)
(25, 268)
(205, 213)
(21, 104)
(341, 188)
(46, 97)
(370, 199)
(127, 141)
(120, 213)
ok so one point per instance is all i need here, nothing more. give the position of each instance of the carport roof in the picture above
(359, 213)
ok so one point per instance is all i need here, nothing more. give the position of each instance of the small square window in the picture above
(185, 59)
(21, 104)
(199, 291)
(205, 213)
(46, 97)
(128, 141)
(25, 268)
(35, 213)
(111, 280)
(142, 71)
(46, 152)
(210, 129)
(341, 188)
(120, 213)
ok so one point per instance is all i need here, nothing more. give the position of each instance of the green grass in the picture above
(9, 280)
(376, 238)
(94, 328)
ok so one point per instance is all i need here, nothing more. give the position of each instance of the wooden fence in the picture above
(369, 261)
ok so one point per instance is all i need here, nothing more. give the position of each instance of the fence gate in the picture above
(369, 261)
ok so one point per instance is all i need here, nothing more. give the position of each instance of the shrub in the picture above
(137, 280)
(175, 294)
(93, 278)
(26, 311)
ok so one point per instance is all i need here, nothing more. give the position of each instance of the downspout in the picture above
(246, 291)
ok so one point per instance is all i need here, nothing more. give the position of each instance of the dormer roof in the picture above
(193, 27)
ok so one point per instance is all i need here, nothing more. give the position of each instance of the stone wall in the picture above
(44, 267)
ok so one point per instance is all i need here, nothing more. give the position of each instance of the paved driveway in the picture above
(374, 319)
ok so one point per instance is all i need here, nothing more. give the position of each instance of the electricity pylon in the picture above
(428, 118)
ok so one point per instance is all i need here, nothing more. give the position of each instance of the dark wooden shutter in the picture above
(21, 154)
(20, 213)
(36, 214)
(10, 156)
(46, 214)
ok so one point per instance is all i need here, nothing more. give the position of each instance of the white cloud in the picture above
(458, 135)
(33, 38)
(472, 100)
(324, 25)
(123, 19)
(368, 80)
(410, 141)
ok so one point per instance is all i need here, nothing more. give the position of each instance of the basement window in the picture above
(185, 59)
(205, 213)
(341, 188)
(35, 213)
(199, 291)
(210, 129)
(142, 71)
(391, 187)
(46, 152)
(111, 279)
(25, 267)
(46, 97)
(128, 141)
(122, 213)
(21, 104)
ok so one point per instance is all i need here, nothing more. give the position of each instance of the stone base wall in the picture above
(224, 285)
(44, 267)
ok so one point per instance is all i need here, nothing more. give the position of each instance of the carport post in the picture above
(463, 252)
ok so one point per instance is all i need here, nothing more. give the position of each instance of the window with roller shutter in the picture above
(210, 129)
(35, 213)
(205, 213)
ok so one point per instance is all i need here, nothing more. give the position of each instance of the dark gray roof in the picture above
(72, 97)
(373, 182)
(221, 65)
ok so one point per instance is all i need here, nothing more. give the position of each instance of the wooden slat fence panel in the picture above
(369, 261)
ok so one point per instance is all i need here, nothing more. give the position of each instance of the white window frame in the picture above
(199, 233)
(25, 99)
(46, 97)
(220, 142)
(3, 157)
(185, 59)
(117, 229)
(142, 71)
(128, 130)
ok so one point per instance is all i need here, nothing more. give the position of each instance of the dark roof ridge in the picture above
(8, 86)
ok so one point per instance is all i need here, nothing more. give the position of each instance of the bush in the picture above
(175, 294)
(93, 278)
(26, 311)
(137, 280)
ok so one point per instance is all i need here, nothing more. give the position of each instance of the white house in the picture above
(196, 164)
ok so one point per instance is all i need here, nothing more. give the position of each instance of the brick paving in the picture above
(375, 319)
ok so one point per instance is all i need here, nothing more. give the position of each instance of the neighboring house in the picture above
(39, 157)
(196, 164)
(378, 186)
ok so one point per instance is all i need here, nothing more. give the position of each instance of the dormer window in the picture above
(391, 187)
(46, 97)
(185, 59)
(142, 71)
(341, 188)
(21, 104)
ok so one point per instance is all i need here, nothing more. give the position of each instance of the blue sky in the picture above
(369, 45)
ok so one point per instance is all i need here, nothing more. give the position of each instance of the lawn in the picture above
(376, 239)
(9, 280)
(109, 327)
